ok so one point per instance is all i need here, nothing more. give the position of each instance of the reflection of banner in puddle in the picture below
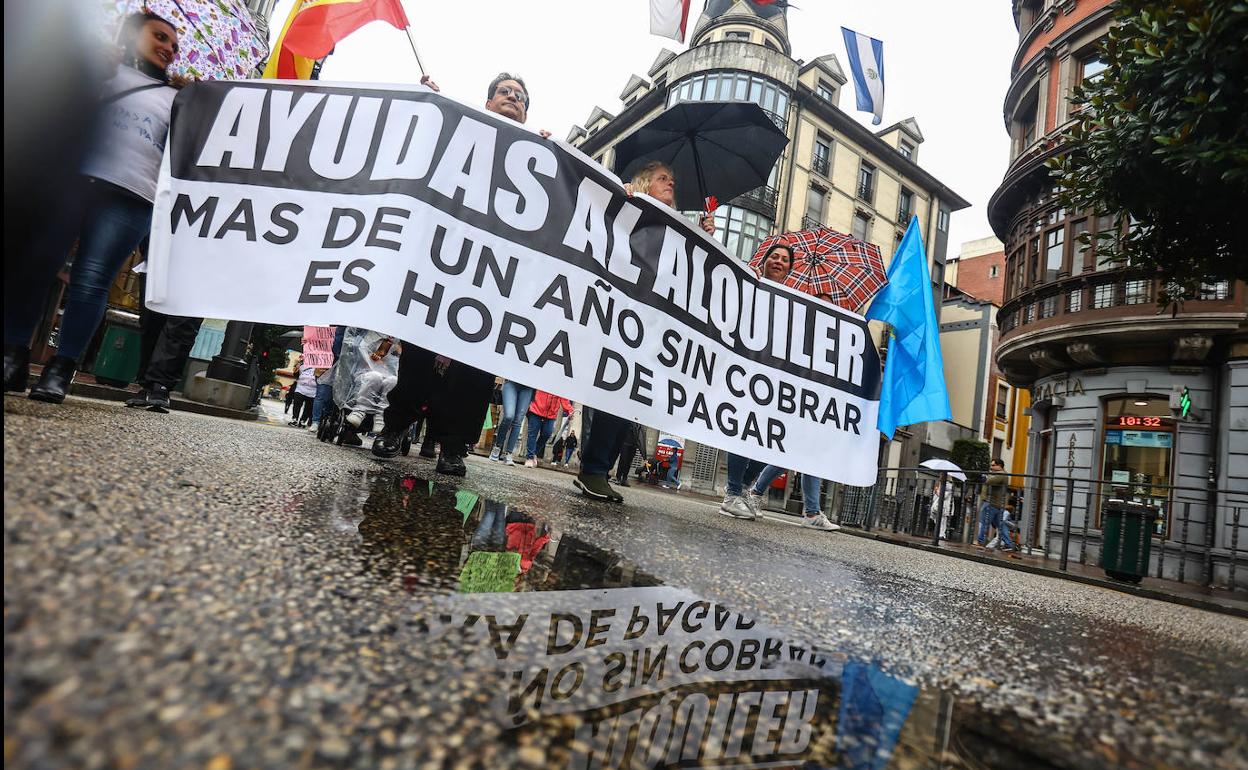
(654, 677)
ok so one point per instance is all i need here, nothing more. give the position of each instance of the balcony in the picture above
(811, 223)
(866, 192)
(1110, 318)
(760, 199)
(820, 164)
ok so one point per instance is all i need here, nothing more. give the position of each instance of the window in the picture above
(942, 220)
(998, 447)
(1137, 452)
(1138, 292)
(821, 163)
(866, 181)
(1080, 249)
(1029, 313)
(741, 230)
(1108, 227)
(1091, 69)
(1074, 301)
(1003, 399)
(1054, 241)
(905, 206)
(862, 226)
(1215, 290)
(1033, 273)
(770, 45)
(906, 149)
(1103, 296)
(814, 204)
(1048, 307)
(734, 86)
(994, 271)
(825, 91)
(736, 34)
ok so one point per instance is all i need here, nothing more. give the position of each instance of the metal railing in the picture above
(810, 223)
(820, 164)
(1059, 518)
(764, 196)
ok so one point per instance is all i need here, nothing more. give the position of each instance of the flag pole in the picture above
(415, 53)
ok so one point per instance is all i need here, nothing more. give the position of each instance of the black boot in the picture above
(139, 401)
(55, 380)
(452, 465)
(389, 443)
(16, 368)
(427, 449)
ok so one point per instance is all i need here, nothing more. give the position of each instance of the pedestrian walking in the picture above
(290, 398)
(556, 451)
(607, 432)
(165, 344)
(108, 209)
(569, 447)
(305, 393)
(515, 405)
(543, 412)
(938, 515)
(993, 497)
(457, 395)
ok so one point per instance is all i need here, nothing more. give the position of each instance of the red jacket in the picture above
(546, 405)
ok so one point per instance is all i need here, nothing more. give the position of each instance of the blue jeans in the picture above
(673, 470)
(516, 400)
(991, 516)
(567, 454)
(811, 487)
(324, 401)
(113, 223)
(739, 469)
(539, 433)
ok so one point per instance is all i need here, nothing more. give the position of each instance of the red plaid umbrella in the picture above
(828, 262)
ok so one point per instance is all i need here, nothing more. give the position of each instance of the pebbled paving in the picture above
(184, 591)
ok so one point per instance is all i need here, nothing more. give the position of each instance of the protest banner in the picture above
(411, 214)
(318, 346)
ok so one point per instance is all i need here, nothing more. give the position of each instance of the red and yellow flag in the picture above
(314, 27)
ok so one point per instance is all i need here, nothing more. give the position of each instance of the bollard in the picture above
(1187, 512)
(1070, 499)
(1234, 544)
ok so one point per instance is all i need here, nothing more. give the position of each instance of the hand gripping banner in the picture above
(449, 227)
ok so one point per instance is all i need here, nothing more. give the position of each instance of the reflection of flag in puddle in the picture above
(874, 707)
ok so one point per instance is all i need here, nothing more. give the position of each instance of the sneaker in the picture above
(820, 521)
(511, 459)
(495, 452)
(379, 424)
(597, 488)
(753, 501)
(530, 463)
(139, 401)
(314, 427)
(356, 419)
(737, 508)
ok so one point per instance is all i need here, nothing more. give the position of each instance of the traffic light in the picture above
(1185, 403)
(1182, 407)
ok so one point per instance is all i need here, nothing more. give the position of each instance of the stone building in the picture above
(835, 171)
(1105, 366)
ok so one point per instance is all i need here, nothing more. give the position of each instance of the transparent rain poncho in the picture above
(366, 371)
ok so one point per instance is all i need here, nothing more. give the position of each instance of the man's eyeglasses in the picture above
(505, 91)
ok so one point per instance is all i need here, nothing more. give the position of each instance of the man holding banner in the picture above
(458, 395)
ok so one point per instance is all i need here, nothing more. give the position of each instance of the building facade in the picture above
(835, 172)
(1107, 369)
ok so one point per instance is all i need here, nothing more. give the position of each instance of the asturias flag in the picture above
(913, 389)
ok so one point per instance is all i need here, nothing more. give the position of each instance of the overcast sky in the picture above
(946, 65)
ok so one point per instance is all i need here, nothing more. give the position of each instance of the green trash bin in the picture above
(117, 362)
(1127, 539)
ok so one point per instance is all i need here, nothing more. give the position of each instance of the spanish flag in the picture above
(314, 27)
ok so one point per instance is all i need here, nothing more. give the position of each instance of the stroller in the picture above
(365, 372)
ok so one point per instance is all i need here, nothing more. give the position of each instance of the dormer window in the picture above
(736, 34)
(906, 149)
(825, 91)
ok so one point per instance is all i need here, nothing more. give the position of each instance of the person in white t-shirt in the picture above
(112, 210)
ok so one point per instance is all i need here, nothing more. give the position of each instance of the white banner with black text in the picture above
(414, 215)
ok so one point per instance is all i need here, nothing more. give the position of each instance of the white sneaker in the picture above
(494, 453)
(511, 459)
(820, 522)
(530, 463)
(736, 507)
(379, 425)
(355, 419)
(312, 428)
(753, 502)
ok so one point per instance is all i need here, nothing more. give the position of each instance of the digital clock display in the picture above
(1132, 421)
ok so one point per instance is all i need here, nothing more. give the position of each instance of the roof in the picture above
(634, 82)
(907, 125)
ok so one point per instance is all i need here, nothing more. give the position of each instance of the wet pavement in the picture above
(183, 591)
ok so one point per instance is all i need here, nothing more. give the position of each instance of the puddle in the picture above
(543, 650)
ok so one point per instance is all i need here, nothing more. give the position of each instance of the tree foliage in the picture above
(970, 455)
(1162, 138)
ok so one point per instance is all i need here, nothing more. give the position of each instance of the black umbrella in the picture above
(714, 148)
(293, 340)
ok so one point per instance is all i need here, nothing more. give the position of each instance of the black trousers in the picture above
(302, 411)
(456, 399)
(627, 451)
(165, 343)
(601, 446)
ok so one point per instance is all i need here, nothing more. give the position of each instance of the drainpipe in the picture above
(797, 125)
(1211, 501)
